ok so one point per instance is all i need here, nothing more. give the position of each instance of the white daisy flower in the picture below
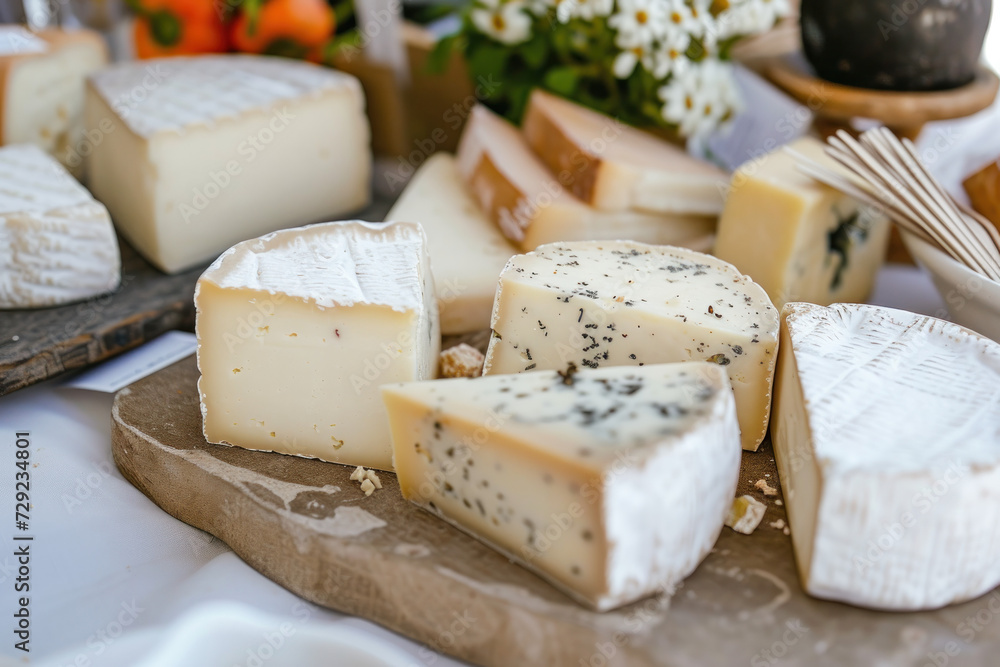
(626, 61)
(681, 18)
(540, 7)
(750, 17)
(503, 20)
(583, 9)
(699, 97)
(639, 22)
(669, 57)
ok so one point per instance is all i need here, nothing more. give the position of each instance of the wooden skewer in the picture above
(886, 173)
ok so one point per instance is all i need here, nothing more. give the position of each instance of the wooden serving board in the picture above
(39, 344)
(305, 525)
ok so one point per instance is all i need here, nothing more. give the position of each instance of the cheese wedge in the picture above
(610, 165)
(575, 475)
(799, 239)
(467, 250)
(617, 303)
(532, 207)
(57, 244)
(886, 432)
(192, 155)
(297, 330)
(42, 82)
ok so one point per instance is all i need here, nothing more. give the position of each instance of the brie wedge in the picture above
(617, 303)
(192, 155)
(298, 329)
(57, 244)
(532, 206)
(567, 472)
(614, 166)
(886, 431)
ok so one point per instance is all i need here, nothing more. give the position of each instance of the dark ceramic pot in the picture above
(895, 44)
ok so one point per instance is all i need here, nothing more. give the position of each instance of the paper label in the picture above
(136, 364)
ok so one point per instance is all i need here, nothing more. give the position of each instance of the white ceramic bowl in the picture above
(972, 300)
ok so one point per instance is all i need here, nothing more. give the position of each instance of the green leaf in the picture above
(562, 80)
(487, 59)
(437, 59)
(535, 52)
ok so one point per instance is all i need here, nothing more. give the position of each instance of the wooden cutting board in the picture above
(305, 525)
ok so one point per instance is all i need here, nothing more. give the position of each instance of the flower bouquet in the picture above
(650, 63)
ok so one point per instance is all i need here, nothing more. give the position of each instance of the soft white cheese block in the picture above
(57, 244)
(615, 303)
(297, 330)
(614, 166)
(612, 484)
(886, 432)
(467, 250)
(532, 206)
(800, 239)
(196, 154)
(42, 83)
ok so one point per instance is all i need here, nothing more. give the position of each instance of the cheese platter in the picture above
(577, 395)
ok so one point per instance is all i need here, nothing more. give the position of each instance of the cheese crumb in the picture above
(766, 488)
(358, 474)
(462, 361)
(373, 478)
(778, 524)
(745, 514)
(368, 487)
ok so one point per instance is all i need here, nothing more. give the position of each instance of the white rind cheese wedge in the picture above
(297, 330)
(532, 207)
(612, 484)
(196, 154)
(57, 244)
(616, 303)
(467, 250)
(42, 82)
(613, 166)
(886, 432)
(799, 239)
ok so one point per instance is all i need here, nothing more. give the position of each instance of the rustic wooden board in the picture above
(305, 525)
(38, 344)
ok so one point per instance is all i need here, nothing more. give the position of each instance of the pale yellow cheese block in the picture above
(784, 229)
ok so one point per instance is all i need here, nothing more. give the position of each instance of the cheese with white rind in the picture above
(297, 330)
(57, 245)
(612, 484)
(531, 206)
(800, 239)
(614, 166)
(886, 431)
(42, 83)
(467, 250)
(196, 154)
(619, 303)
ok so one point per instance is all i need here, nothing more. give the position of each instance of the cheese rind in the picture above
(532, 207)
(616, 167)
(800, 239)
(42, 82)
(57, 244)
(196, 154)
(467, 250)
(612, 303)
(297, 330)
(886, 431)
(575, 475)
